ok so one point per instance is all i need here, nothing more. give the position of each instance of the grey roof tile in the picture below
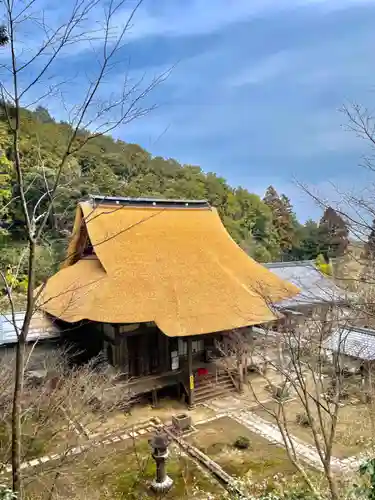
(315, 287)
(354, 342)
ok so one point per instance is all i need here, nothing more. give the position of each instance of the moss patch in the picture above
(124, 472)
(354, 432)
(261, 460)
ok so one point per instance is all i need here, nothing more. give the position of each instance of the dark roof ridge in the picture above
(290, 263)
(147, 202)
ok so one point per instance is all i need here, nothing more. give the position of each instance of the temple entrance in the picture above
(144, 353)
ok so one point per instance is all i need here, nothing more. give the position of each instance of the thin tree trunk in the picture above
(16, 416)
(332, 483)
(19, 376)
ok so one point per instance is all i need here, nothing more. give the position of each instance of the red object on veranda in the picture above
(202, 371)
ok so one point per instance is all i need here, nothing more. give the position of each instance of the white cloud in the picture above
(196, 17)
(258, 72)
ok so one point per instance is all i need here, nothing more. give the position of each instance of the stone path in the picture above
(146, 428)
(271, 432)
(234, 410)
(307, 452)
(353, 463)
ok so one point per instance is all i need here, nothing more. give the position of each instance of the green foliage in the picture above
(266, 229)
(284, 219)
(5, 492)
(307, 241)
(5, 193)
(303, 420)
(323, 265)
(333, 234)
(4, 37)
(43, 115)
(242, 443)
(369, 250)
(367, 490)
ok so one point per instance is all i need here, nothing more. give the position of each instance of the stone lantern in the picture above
(159, 443)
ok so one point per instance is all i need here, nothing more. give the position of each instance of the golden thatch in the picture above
(176, 267)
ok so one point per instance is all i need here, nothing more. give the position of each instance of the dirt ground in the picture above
(144, 412)
(122, 472)
(38, 438)
(355, 427)
(261, 460)
(256, 388)
(168, 407)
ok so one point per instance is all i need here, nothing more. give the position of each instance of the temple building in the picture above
(156, 286)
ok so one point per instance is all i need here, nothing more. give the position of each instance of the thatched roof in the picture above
(177, 267)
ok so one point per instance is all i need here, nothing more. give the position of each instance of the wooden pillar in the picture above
(280, 354)
(164, 358)
(154, 398)
(190, 372)
(116, 347)
(124, 355)
(144, 355)
(248, 341)
(369, 377)
(240, 371)
(245, 367)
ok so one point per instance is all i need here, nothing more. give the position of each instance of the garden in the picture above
(121, 471)
(242, 453)
(355, 425)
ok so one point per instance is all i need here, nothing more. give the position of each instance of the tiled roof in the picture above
(354, 342)
(315, 287)
(41, 327)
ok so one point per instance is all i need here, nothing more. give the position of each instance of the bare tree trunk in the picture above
(101, 116)
(332, 483)
(20, 373)
(16, 416)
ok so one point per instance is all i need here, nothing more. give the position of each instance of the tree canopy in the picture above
(267, 229)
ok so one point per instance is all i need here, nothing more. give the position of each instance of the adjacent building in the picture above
(319, 305)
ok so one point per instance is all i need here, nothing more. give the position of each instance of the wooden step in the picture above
(207, 388)
(220, 386)
(212, 379)
(215, 393)
(213, 384)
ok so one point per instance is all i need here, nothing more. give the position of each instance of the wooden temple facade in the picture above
(149, 360)
(163, 283)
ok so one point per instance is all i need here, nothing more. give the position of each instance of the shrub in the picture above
(324, 266)
(303, 420)
(6, 493)
(279, 392)
(242, 443)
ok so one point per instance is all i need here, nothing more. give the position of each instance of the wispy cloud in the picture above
(256, 89)
(269, 68)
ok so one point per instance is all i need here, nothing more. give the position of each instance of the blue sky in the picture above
(255, 91)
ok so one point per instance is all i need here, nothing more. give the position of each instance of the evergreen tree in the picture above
(333, 234)
(42, 114)
(306, 245)
(4, 37)
(267, 229)
(369, 250)
(283, 220)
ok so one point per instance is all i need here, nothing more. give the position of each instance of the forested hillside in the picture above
(267, 228)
